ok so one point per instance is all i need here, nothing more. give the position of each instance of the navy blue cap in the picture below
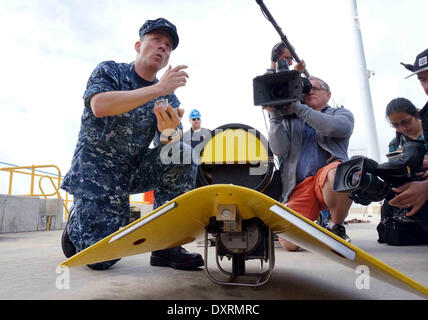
(160, 24)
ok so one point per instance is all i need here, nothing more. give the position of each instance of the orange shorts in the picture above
(306, 198)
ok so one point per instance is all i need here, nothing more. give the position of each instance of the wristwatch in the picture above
(170, 136)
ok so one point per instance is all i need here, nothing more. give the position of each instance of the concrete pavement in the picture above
(29, 263)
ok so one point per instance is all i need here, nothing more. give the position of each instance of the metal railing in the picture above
(35, 172)
(55, 180)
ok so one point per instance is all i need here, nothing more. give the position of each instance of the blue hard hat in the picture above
(194, 114)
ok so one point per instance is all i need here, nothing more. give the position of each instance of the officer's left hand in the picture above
(169, 119)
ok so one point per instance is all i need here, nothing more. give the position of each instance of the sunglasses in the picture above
(402, 123)
(194, 119)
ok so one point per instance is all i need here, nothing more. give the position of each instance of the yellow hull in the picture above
(183, 219)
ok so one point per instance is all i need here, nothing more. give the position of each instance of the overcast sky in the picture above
(50, 47)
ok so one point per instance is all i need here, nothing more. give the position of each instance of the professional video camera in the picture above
(281, 87)
(368, 181)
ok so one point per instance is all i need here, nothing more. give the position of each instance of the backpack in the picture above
(396, 229)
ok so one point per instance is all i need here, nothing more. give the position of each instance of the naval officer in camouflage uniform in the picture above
(112, 158)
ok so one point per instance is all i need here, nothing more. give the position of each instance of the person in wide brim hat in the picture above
(420, 65)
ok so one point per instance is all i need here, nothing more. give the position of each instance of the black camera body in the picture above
(368, 181)
(281, 87)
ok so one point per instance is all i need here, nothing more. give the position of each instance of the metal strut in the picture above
(238, 266)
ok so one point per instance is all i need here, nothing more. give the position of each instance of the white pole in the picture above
(363, 74)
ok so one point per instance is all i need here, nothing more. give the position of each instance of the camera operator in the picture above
(311, 142)
(415, 194)
(280, 51)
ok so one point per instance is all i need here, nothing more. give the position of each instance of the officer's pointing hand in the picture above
(172, 79)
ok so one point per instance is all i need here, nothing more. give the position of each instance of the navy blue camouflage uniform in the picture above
(112, 160)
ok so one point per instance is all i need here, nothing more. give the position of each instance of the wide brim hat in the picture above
(420, 65)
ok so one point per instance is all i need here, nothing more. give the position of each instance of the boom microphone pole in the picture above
(284, 39)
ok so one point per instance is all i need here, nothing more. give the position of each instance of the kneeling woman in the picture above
(404, 117)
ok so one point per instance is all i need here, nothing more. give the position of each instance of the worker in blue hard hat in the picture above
(196, 134)
(194, 114)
